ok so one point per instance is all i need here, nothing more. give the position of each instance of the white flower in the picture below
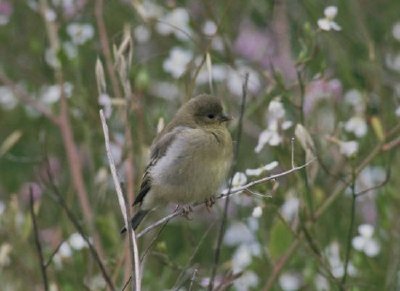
(147, 9)
(70, 50)
(177, 61)
(348, 148)
(356, 125)
(276, 110)
(393, 62)
(238, 233)
(290, 281)
(50, 15)
(80, 33)
(165, 90)
(365, 241)
(51, 58)
(7, 98)
(398, 111)
(396, 31)
(257, 212)
(65, 250)
(336, 264)
(259, 171)
(77, 242)
(218, 74)
(105, 102)
(247, 281)
(51, 94)
(290, 208)
(176, 22)
(235, 79)
(239, 179)
(327, 23)
(142, 33)
(209, 28)
(268, 136)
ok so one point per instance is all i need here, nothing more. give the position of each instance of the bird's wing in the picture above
(158, 150)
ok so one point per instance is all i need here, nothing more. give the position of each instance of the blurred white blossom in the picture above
(365, 242)
(80, 32)
(177, 61)
(259, 171)
(272, 135)
(65, 250)
(148, 9)
(7, 98)
(105, 103)
(142, 33)
(332, 253)
(51, 58)
(368, 178)
(257, 212)
(175, 22)
(327, 23)
(321, 283)
(239, 179)
(396, 31)
(247, 281)
(243, 256)
(348, 148)
(398, 111)
(50, 15)
(355, 99)
(51, 94)
(218, 74)
(166, 90)
(238, 233)
(290, 208)
(290, 281)
(77, 242)
(356, 125)
(393, 61)
(209, 28)
(70, 50)
(235, 80)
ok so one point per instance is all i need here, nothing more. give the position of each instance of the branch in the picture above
(60, 200)
(224, 215)
(26, 99)
(37, 242)
(121, 201)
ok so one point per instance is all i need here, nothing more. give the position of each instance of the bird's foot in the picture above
(186, 210)
(209, 203)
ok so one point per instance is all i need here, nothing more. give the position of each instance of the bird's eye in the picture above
(211, 116)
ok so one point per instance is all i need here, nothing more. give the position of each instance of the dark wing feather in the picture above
(158, 150)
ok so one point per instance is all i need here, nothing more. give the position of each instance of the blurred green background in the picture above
(323, 81)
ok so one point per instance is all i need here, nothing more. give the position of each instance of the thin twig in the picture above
(186, 267)
(351, 227)
(60, 200)
(224, 215)
(224, 195)
(25, 98)
(55, 251)
(37, 241)
(122, 205)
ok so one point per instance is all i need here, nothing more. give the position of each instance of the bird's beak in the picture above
(224, 118)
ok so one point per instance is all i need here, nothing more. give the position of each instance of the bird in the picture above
(189, 159)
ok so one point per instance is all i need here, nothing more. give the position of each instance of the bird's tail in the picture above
(136, 219)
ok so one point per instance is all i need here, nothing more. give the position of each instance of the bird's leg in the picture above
(209, 203)
(186, 209)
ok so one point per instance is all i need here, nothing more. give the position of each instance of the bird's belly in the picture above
(184, 183)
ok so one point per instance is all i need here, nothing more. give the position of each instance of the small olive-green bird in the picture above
(189, 159)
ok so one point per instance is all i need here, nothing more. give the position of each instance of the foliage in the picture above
(323, 82)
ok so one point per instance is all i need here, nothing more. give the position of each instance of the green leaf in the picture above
(280, 239)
